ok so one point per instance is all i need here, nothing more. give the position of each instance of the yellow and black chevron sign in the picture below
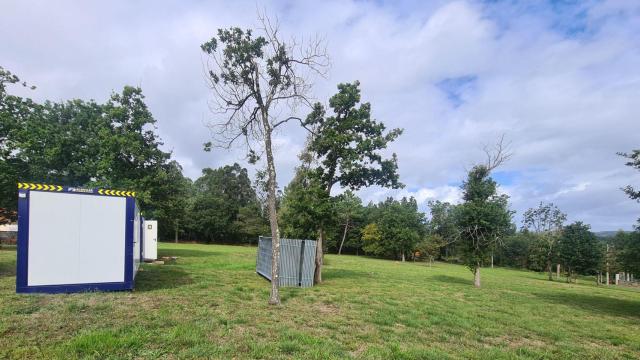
(45, 187)
(116, 192)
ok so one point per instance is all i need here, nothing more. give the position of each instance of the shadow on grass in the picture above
(186, 253)
(452, 279)
(7, 268)
(289, 293)
(331, 274)
(156, 277)
(596, 304)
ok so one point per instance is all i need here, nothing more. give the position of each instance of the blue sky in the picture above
(559, 79)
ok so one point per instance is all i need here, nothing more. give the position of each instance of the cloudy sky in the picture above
(562, 82)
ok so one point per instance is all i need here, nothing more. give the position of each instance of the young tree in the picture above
(349, 209)
(347, 145)
(546, 221)
(579, 250)
(258, 83)
(484, 217)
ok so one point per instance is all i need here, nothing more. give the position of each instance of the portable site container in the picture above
(297, 261)
(74, 239)
(150, 247)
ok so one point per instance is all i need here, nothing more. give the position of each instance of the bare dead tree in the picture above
(497, 154)
(259, 83)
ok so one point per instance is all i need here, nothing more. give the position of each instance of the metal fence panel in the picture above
(297, 261)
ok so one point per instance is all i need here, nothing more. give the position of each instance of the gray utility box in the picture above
(297, 261)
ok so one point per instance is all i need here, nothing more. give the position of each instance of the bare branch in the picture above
(497, 154)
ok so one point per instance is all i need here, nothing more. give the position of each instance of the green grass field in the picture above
(211, 304)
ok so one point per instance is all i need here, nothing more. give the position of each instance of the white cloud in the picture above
(445, 193)
(561, 82)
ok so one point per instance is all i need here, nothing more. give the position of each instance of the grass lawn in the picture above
(211, 304)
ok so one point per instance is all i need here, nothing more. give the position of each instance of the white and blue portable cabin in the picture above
(73, 239)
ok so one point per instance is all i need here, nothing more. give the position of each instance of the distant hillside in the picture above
(607, 234)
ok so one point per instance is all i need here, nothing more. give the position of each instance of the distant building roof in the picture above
(7, 216)
(9, 227)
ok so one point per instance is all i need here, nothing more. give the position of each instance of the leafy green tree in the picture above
(483, 218)
(347, 145)
(303, 202)
(429, 248)
(372, 240)
(624, 252)
(444, 224)
(220, 195)
(401, 226)
(258, 82)
(84, 143)
(579, 250)
(249, 223)
(170, 193)
(516, 251)
(547, 222)
(15, 111)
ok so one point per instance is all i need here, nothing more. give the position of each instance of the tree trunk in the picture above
(607, 256)
(558, 271)
(317, 275)
(274, 299)
(492, 261)
(549, 270)
(403, 256)
(175, 238)
(476, 277)
(344, 236)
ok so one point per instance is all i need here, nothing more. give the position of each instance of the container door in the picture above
(151, 240)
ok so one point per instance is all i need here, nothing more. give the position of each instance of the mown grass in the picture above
(211, 304)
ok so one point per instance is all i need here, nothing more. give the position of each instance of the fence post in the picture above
(302, 243)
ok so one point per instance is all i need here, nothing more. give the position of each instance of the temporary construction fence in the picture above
(297, 261)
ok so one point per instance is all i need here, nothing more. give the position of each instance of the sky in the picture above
(560, 80)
